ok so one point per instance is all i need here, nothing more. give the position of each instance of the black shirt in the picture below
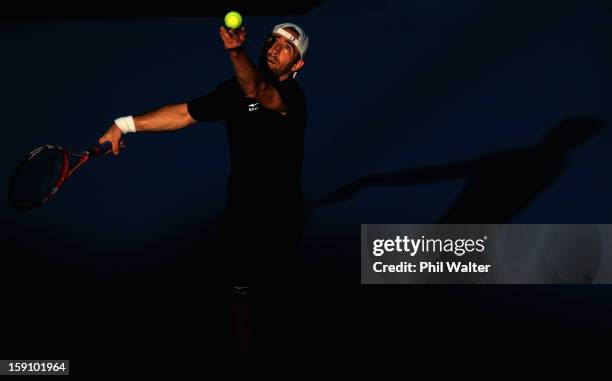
(266, 147)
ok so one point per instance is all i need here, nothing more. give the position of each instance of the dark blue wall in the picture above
(390, 87)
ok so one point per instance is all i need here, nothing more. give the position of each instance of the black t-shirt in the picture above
(266, 147)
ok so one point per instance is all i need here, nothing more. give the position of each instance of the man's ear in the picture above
(297, 65)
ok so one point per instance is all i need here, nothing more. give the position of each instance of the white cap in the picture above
(300, 42)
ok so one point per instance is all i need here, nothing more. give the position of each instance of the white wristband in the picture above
(126, 124)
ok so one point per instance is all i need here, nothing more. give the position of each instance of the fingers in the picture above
(105, 138)
(224, 34)
(241, 35)
(228, 41)
(114, 138)
(232, 38)
(108, 138)
(115, 143)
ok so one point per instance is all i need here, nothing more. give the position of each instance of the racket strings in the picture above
(82, 156)
(43, 171)
(36, 178)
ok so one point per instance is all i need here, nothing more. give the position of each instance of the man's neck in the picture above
(284, 76)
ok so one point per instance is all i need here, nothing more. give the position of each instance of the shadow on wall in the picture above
(499, 185)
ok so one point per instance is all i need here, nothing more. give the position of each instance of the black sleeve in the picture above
(212, 106)
(293, 98)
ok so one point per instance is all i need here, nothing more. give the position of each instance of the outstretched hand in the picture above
(115, 136)
(232, 38)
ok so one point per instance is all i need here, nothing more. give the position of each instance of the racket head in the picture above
(37, 177)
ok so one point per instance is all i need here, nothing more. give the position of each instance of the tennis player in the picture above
(265, 114)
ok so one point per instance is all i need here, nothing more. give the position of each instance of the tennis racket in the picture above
(42, 172)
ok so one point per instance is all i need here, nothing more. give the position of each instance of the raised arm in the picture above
(249, 77)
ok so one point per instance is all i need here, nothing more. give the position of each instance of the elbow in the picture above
(181, 118)
(251, 93)
(186, 120)
(256, 90)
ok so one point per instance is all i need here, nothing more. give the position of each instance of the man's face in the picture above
(281, 55)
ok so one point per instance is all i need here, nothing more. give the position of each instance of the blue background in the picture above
(397, 86)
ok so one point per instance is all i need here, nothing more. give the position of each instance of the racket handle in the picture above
(100, 149)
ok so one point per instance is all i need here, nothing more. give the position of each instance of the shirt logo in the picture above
(254, 106)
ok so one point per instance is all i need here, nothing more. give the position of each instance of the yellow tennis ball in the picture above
(233, 20)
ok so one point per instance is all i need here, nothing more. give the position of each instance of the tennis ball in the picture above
(233, 20)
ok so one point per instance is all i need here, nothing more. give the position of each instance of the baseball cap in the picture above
(300, 42)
